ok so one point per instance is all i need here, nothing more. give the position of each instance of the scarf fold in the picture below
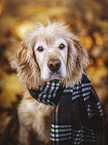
(78, 113)
(49, 93)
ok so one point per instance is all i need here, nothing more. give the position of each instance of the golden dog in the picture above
(47, 53)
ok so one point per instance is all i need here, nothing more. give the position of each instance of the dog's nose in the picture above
(54, 65)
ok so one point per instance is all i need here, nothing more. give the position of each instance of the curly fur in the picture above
(32, 114)
(28, 70)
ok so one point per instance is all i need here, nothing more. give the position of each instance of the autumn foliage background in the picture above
(88, 19)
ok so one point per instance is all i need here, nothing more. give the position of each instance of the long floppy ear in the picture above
(24, 62)
(77, 59)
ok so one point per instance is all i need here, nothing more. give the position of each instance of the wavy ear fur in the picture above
(27, 69)
(78, 58)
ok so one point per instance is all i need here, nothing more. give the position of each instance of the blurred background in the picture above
(87, 19)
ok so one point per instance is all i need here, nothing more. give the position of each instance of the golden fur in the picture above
(32, 114)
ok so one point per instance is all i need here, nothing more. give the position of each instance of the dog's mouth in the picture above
(55, 70)
(55, 75)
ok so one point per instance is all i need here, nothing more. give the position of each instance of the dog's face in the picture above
(51, 56)
(47, 53)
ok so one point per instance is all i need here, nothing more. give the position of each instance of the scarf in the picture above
(78, 114)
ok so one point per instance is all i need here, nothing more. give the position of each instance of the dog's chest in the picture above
(37, 117)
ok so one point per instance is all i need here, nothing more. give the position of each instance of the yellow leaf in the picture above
(96, 74)
(22, 28)
(11, 87)
(4, 119)
(98, 39)
(87, 42)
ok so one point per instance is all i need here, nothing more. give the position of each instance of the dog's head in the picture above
(47, 53)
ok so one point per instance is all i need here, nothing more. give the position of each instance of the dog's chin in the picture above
(53, 76)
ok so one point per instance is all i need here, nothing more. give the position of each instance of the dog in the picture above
(47, 53)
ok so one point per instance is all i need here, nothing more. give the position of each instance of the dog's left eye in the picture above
(61, 46)
(40, 48)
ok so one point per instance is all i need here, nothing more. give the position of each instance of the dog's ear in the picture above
(77, 59)
(23, 61)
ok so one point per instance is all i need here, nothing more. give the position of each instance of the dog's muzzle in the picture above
(54, 65)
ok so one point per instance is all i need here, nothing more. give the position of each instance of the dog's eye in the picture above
(61, 46)
(40, 48)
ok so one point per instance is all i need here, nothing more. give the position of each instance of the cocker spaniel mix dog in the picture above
(47, 53)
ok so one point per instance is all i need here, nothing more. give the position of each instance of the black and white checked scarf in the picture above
(78, 113)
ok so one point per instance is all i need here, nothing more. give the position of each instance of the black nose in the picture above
(54, 65)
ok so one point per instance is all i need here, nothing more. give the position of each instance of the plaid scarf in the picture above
(78, 113)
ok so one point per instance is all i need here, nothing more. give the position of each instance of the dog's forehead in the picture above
(50, 40)
(45, 38)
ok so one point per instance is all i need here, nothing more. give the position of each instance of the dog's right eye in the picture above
(61, 46)
(40, 48)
